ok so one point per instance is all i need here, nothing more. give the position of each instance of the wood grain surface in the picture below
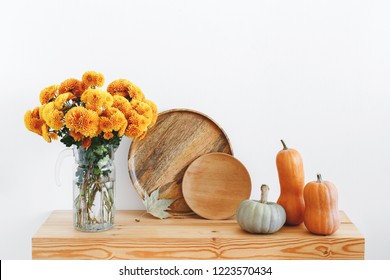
(189, 237)
(215, 184)
(161, 158)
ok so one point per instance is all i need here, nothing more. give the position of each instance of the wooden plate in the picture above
(215, 184)
(160, 159)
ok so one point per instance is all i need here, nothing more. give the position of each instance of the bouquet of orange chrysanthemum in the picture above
(81, 113)
(93, 121)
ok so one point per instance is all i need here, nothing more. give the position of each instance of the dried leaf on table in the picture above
(157, 206)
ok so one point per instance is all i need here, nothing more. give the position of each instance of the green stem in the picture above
(284, 145)
(319, 178)
(85, 185)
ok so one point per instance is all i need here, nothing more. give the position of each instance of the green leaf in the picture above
(68, 140)
(103, 162)
(97, 171)
(155, 206)
(100, 150)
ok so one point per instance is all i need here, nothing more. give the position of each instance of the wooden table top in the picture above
(189, 237)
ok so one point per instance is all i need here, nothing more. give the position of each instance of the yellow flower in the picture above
(139, 121)
(86, 143)
(61, 99)
(143, 109)
(45, 133)
(82, 120)
(119, 87)
(136, 93)
(133, 131)
(33, 122)
(154, 111)
(53, 135)
(122, 130)
(117, 120)
(53, 117)
(48, 93)
(105, 124)
(76, 135)
(123, 105)
(72, 85)
(97, 100)
(93, 79)
(108, 135)
(87, 111)
(125, 88)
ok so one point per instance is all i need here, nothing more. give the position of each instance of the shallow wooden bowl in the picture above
(215, 184)
(160, 159)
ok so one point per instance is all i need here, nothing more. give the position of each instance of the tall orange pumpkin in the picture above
(292, 181)
(321, 213)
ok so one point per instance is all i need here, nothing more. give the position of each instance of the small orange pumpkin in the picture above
(321, 212)
(292, 181)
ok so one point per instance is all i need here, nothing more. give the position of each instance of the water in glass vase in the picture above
(94, 188)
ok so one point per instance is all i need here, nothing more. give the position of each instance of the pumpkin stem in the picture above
(264, 193)
(284, 145)
(319, 178)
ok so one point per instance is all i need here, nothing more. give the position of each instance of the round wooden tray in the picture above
(160, 159)
(215, 184)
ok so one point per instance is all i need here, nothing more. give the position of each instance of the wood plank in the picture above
(189, 237)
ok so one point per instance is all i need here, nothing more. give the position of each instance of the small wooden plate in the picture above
(160, 159)
(215, 184)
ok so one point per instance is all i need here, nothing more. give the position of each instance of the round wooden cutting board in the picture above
(160, 159)
(215, 184)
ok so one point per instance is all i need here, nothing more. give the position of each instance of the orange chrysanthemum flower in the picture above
(53, 135)
(108, 135)
(45, 133)
(93, 79)
(136, 93)
(33, 122)
(53, 117)
(88, 112)
(47, 94)
(143, 110)
(105, 124)
(138, 120)
(72, 85)
(60, 100)
(123, 105)
(86, 143)
(122, 130)
(82, 120)
(76, 136)
(112, 119)
(154, 111)
(97, 100)
(125, 88)
(133, 131)
(119, 87)
(119, 121)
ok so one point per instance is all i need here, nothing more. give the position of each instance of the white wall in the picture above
(315, 73)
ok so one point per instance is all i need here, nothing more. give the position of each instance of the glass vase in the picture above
(94, 188)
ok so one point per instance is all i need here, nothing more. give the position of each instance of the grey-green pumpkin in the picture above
(261, 216)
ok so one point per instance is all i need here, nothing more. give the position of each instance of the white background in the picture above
(315, 73)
